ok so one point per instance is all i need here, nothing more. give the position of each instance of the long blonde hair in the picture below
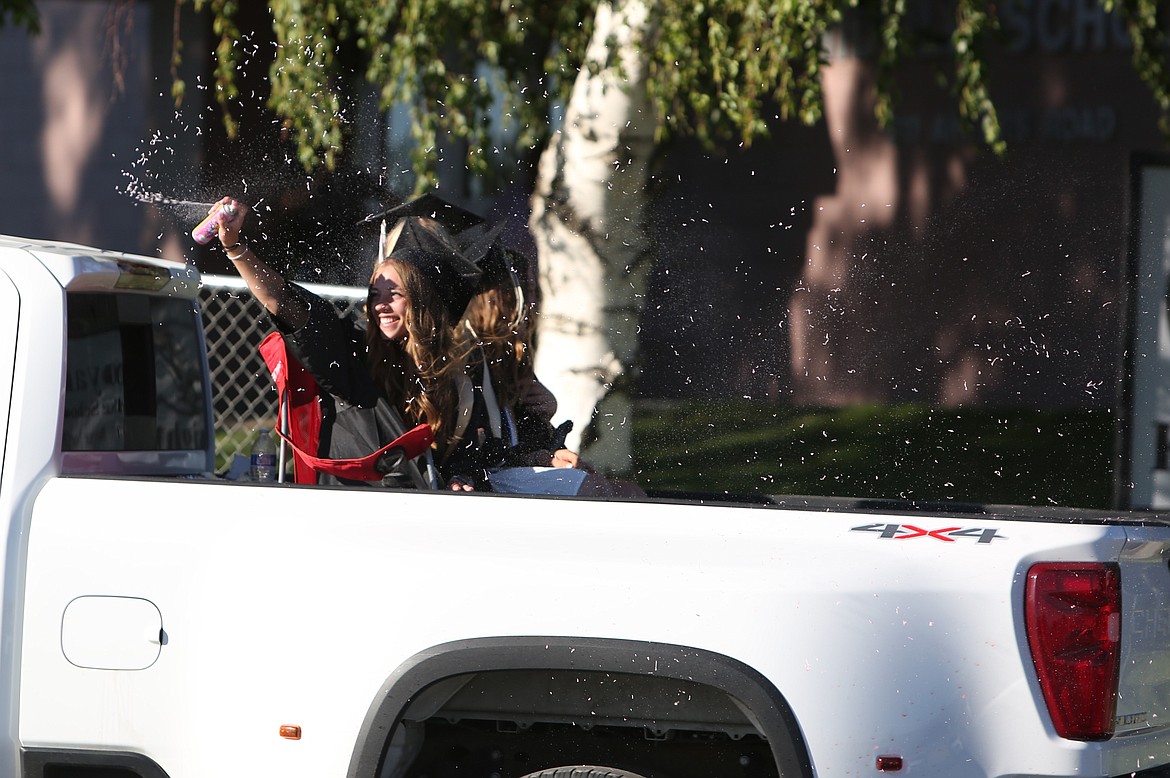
(420, 376)
(501, 326)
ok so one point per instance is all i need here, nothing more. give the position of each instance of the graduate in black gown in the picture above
(403, 367)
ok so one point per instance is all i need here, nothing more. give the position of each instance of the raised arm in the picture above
(266, 285)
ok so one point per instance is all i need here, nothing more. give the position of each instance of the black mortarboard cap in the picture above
(436, 228)
(504, 266)
(474, 243)
(438, 258)
(430, 206)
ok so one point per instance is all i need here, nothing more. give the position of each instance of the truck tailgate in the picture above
(1143, 702)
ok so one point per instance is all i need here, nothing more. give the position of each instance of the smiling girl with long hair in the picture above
(404, 365)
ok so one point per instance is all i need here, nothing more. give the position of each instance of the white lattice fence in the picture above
(243, 398)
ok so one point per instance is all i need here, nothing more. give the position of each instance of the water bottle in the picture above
(264, 458)
(209, 227)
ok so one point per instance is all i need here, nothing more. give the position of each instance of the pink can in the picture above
(207, 229)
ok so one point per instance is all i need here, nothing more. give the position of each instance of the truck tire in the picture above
(581, 771)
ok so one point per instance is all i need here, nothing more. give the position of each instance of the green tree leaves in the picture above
(22, 13)
(482, 74)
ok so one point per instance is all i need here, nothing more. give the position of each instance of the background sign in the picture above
(1143, 465)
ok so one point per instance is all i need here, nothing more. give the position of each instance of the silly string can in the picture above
(209, 227)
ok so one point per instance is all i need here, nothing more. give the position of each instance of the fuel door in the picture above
(112, 633)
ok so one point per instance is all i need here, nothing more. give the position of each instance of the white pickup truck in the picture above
(161, 622)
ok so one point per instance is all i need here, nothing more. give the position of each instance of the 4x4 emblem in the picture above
(946, 534)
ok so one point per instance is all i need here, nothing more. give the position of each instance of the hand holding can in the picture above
(207, 229)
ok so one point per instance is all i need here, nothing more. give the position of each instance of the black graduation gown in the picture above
(481, 451)
(356, 418)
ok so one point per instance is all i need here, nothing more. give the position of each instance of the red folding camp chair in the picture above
(300, 423)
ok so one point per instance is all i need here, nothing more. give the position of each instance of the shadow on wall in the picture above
(976, 306)
(728, 233)
(69, 130)
(844, 264)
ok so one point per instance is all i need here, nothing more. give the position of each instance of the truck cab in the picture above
(103, 370)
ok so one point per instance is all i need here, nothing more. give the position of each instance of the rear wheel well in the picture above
(509, 706)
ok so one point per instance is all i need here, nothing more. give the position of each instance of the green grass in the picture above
(236, 440)
(1007, 456)
(1022, 457)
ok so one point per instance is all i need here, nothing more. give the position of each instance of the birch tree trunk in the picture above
(587, 211)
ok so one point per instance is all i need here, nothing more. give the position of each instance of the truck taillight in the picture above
(1072, 612)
